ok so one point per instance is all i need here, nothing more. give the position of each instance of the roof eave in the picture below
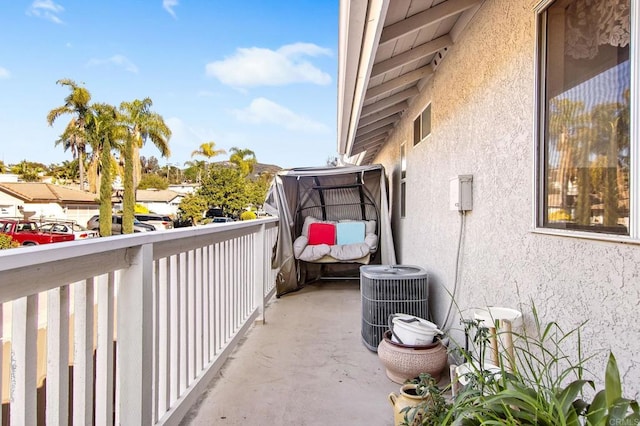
(361, 24)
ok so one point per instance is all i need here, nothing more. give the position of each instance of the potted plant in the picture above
(548, 387)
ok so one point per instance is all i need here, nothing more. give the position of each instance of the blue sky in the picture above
(251, 74)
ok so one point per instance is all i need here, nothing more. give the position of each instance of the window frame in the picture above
(418, 123)
(539, 132)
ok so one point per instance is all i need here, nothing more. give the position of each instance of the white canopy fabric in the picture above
(326, 193)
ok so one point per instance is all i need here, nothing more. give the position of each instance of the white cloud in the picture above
(264, 111)
(46, 9)
(168, 5)
(118, 60)
(4, 73)
(255, 66)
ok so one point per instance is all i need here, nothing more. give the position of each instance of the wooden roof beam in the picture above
(387, 102)
(372, 140)
(400, 81)
(373, 132)
(373, 144)
(394, 109)
(412, 55)
(425, 18)
(377, 124)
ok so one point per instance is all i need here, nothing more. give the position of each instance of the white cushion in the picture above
(299, 244)
(311, 253)
(349, 251)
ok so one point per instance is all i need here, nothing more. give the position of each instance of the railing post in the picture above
(259, 276)
(24, 329)
(134, 338)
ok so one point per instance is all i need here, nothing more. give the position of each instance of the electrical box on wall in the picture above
(460, 193)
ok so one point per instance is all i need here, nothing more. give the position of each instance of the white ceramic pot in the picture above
(411, 330)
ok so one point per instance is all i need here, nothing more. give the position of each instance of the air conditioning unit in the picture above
(387, 290)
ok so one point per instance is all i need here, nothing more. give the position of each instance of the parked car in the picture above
(116, 225)
(222, 220)
(69, 227)
(158, 221)
(214, 212)
(27, 232)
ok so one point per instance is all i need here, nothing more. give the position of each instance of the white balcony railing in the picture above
(144, 321)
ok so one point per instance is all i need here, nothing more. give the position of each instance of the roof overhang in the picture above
(388, 49)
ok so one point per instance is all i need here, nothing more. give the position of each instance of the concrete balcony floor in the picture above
(306, 366)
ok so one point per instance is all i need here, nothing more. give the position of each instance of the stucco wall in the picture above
(482, 99)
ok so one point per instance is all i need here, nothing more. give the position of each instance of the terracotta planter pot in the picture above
(404, 362)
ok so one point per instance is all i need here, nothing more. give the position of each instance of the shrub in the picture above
(6, 242)
(248, 215)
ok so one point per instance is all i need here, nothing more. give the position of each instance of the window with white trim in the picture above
(585, 144)
(422, 125)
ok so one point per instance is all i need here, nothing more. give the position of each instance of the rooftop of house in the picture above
(36, 192)
(156, 195)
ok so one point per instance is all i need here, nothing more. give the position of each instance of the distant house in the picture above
(45, 200)
(8, 177)
(184, 188)
(160, 201)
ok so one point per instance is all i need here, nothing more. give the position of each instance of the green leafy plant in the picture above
(546, 388)
(6, 242)
(435, 407)
(608, 407)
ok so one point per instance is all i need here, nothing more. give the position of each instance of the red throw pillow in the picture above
(322, 233)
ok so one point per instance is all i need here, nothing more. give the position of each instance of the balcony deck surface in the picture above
(307, 365)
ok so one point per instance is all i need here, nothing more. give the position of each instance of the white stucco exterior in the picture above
(483, 111)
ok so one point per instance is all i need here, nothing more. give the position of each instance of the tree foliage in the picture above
(152, 180)
(208, 150)
(149, 165)
(227, 188)
(7, 242)
(192, 207)
(244, 159)
(224, 187)
(77, 105)
(102, 128)
(143, 124)
(28, 171)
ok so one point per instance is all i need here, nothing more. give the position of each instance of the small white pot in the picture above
(412, 331)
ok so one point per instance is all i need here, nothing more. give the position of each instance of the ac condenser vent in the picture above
(388, 290)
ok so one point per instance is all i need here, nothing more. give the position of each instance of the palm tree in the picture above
(244, 159)
(194, 170)
(103, 130)
(144, 124)
(74, 138)
(611, 143)
(27, 170)
(141, 124)
(566, 117)
(208, 149)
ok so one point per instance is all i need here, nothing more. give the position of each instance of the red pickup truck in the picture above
(27, 233)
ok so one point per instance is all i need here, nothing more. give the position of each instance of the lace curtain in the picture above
(593, 23)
